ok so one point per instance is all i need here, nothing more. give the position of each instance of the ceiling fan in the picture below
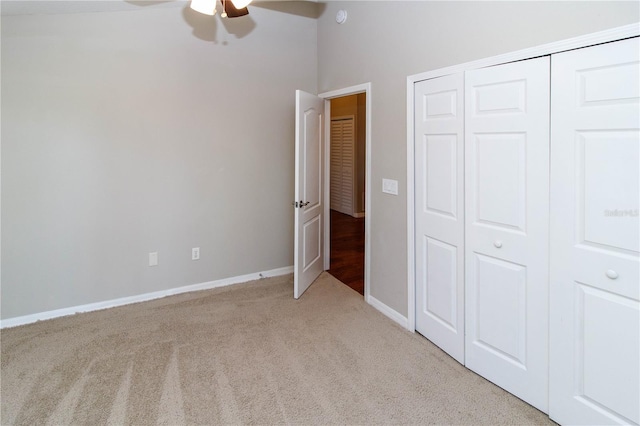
(230, 8)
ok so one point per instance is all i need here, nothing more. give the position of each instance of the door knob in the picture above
(497, 243)
(612, 274)
(303, 204)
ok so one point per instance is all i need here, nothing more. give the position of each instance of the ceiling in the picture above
(53, 7)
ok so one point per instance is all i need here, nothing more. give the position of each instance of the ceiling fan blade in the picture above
(232, 11)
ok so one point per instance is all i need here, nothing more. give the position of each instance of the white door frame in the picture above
(327, 96)
(632, 30)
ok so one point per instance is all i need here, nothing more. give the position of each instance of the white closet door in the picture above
(595, 242)
(335, 166)
(439, 212)
(342, 166)
(507, 226)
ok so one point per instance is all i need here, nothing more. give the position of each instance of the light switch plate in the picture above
(153, 259)
(390, 186)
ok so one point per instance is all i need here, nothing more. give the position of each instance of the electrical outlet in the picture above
(153, 259)
(195, 253)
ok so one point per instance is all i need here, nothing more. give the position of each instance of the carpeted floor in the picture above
(244, 354)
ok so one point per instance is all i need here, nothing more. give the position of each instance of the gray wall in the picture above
(152, 129)
(384, 42)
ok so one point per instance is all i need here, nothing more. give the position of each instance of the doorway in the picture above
(347, 177)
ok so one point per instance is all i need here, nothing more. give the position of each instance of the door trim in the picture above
(614, 34)
(327, 96)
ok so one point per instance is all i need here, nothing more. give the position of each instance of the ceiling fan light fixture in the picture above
(208, 7)
(241, 4)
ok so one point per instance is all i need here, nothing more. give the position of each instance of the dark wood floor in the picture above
(347, 250)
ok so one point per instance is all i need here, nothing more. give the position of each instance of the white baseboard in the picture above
(386, 310)
(28, 319)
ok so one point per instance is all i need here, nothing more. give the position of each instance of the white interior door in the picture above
(507, 226)
(308, 240)
(595, 241)
(439, 212)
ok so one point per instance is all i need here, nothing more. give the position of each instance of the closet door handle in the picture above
(497, 243)
(612, 274)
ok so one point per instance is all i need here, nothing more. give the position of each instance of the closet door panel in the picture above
(595, 235)
(597, 151)
(342, 166)
(439, 157)
(439, 296)
(348, 166)
(439, 208)
(335, 167)
(500, 197)
(499, 332)
(506, 232)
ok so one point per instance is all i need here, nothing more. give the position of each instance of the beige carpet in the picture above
(244, 354)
